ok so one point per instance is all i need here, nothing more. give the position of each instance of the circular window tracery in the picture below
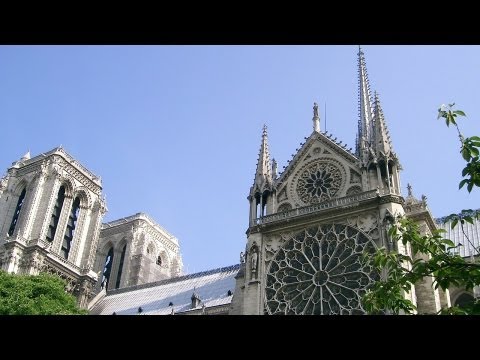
(319, 182)
(320, 271)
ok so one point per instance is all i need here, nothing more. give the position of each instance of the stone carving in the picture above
(368, 223)
(320, 271)
(242, 257)
(254, 260)
(354, 190)
(318, 181)
(284, 207)
(355, 178)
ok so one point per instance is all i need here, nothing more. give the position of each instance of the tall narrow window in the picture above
(17, 212)
(120, 267)
(69, 232)
(107, 269)
(52, 228)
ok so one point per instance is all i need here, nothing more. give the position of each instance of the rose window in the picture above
(320, 271)
(319, 182)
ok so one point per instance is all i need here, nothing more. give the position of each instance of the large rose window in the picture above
(320, 271)
(319, 182)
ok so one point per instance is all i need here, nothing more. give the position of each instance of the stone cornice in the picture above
(152, 228)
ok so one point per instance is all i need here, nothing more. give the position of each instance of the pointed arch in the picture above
(107, 266)
(18, 209)
(56, 211)
(70, 230)
(120, 265)
(85, 197)
(69, 184)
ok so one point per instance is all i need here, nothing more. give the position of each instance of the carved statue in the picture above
(254, 259)
(315, 109)
(242, 257)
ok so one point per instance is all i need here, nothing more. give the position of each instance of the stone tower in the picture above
(309, 226)
(135, 250)
(51, 209)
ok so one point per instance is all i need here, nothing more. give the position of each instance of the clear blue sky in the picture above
(174, 131)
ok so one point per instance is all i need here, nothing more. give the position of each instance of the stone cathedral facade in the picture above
(51, 211)
(308, 228)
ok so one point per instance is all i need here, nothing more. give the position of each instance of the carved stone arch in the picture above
(69, 184)
(165, 258)
(151, 249)
(463, 298)
(85, 197)
(106, 248)
(33, 182)
(120, 244)
(22, 184)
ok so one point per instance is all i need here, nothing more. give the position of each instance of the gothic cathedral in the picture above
(308, 229)
(310, 225)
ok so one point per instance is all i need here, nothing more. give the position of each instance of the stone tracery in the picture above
(320, 271)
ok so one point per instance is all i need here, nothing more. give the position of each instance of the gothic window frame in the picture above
(120, 266)
(319, 271)
(55, 214)
(71, 227)
(107, 267)
(18, 210)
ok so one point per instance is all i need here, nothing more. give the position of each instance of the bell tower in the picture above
(51, 208)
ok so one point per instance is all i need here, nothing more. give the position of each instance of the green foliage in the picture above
(429, 255)
(470, 148)
(42, 294)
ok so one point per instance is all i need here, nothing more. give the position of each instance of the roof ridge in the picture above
(174, 279)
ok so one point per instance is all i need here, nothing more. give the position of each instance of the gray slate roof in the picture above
(211, 286)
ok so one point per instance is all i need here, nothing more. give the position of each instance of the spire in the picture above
(383, 144)
(316, 118)
(365, 123)
(263, 176)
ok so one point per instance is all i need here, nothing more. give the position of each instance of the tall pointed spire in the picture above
(263, 176)
(365, 122)
(383, 145)
(316, 118)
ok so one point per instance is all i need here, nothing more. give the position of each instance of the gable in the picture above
(321, 170)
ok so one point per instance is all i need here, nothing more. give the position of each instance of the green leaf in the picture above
(462, 183)
(459, 112)
(470, 187)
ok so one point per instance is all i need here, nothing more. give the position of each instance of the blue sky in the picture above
(174, 131)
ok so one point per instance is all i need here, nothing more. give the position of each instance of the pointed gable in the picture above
(321, 169)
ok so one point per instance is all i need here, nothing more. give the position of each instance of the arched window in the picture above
(52, 228)
(159, 260)
(120, 267)
(107, 269)
(69, 232)
(17, 212)
(464, 300)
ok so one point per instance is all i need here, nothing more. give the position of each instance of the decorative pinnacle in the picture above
(365, 122)
(316, 118)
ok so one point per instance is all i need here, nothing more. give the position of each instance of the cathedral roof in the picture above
(211, 287)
